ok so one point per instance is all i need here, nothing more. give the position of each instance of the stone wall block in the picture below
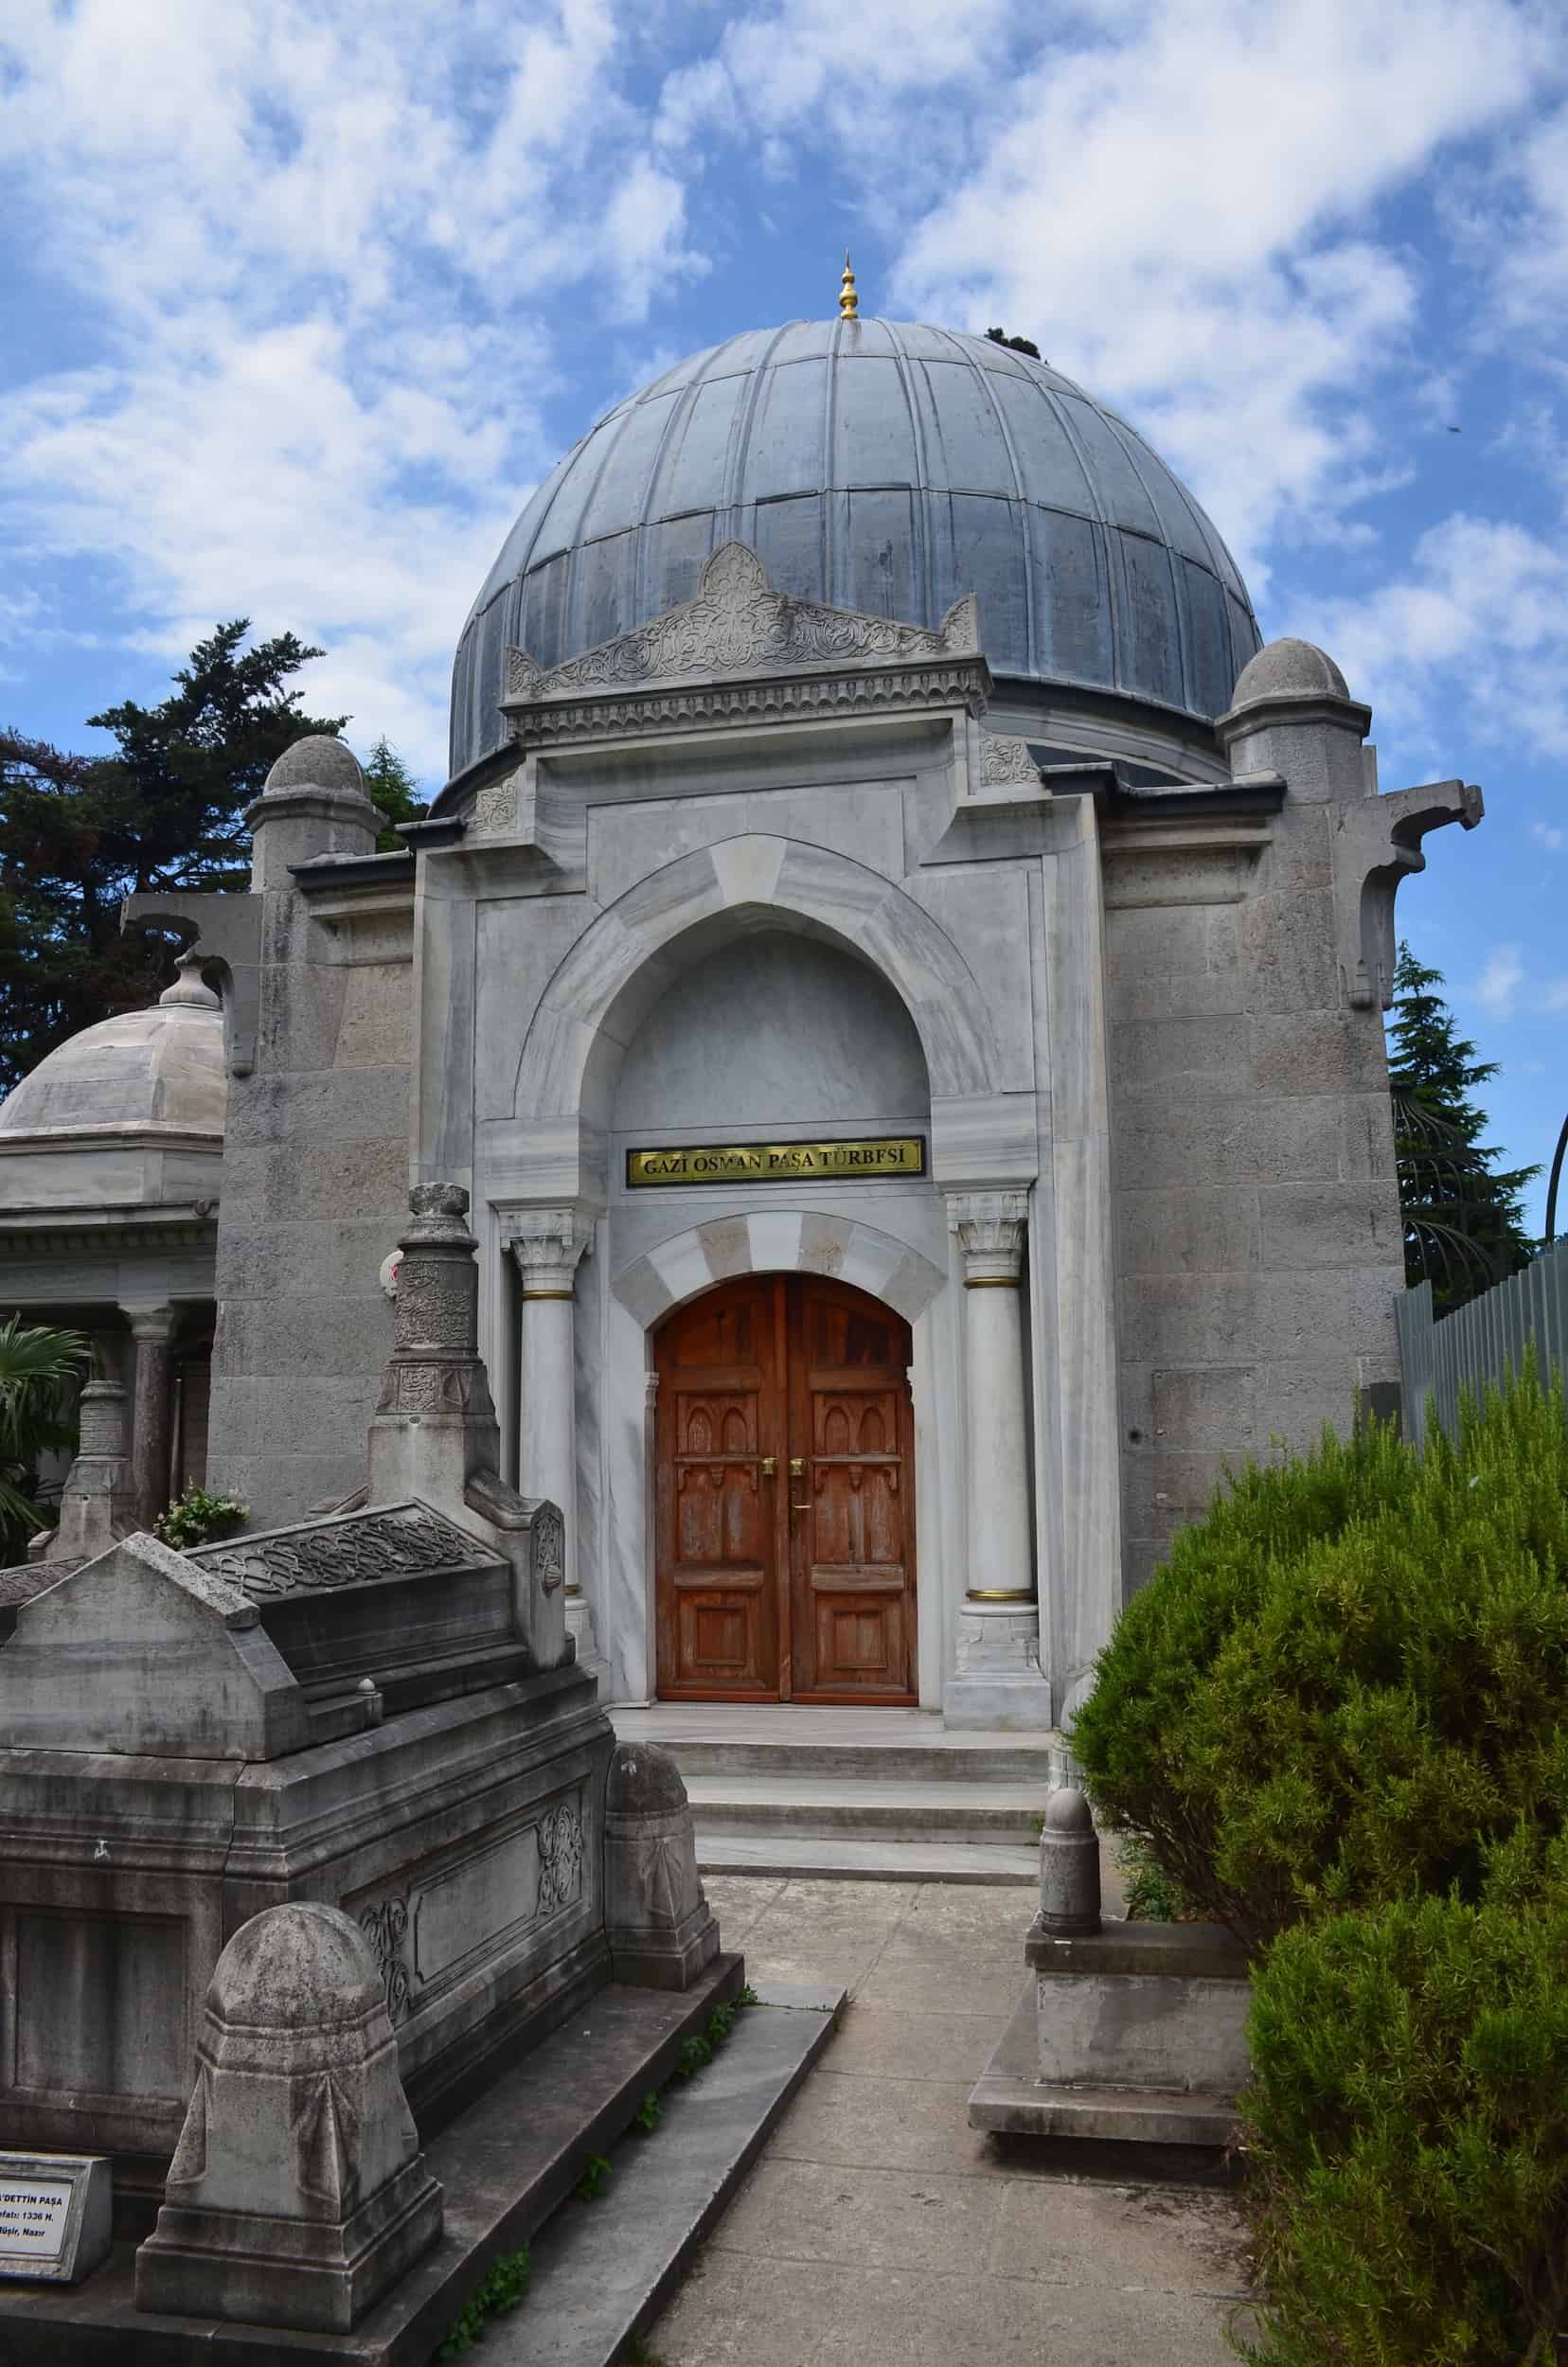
(1288, 951)
(1322, 1052)
(1199, 1231)
(1183, 1318)
(1182, 1055)
(338, 1259)
(376, 1020)
(1299, 855)
(660, 1926)
(315, 1415)
(1330, 1225)
(1212, 1405)
(323, 1105)
(310, 1335)
(297, 2193)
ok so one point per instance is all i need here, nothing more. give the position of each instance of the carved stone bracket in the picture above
(1377, 842)
(989, 1228)
(548, 1245)
(1004, 758)
(225, 931)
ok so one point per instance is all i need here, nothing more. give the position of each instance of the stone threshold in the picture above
(505, 2164)
(1012, 2100)
(808, 1858)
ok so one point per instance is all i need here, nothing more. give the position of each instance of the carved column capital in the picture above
(548, 1245)
(989, 1228)
(152, 1325)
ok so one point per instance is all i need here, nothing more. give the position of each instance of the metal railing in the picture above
(1443, 1359)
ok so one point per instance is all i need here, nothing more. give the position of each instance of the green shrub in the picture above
(1352, 1676)
(1152, 1895)
(198, 1517)
(1407, 2124)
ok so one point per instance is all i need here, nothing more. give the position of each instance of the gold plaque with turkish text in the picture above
(865, 1162)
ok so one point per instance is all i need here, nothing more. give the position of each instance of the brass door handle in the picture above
(800, 1508)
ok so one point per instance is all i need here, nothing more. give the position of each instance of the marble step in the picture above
(912, 1746)
(602, 2271)
(845, 1858)
(866, 1809)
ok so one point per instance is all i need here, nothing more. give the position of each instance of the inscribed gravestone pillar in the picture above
(546, 1245)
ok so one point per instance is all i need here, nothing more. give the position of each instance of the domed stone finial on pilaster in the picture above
(314, 803)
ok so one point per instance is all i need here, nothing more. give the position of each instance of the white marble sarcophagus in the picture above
(378, 1710)
(341, 1712)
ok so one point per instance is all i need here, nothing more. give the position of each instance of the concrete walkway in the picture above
(877, 2230)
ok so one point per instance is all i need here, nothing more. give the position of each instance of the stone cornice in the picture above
(102, 1232)
(720, 706)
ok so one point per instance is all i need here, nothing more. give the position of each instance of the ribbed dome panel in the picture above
(881, 466)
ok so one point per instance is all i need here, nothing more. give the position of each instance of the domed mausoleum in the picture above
(898, 973)
(111, 1154)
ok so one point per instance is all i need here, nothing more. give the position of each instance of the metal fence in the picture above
(1483, 1342)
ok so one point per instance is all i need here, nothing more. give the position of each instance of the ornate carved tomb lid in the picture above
(397, 1591)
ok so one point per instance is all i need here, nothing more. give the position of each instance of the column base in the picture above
(998, 1682)
(579, 1625)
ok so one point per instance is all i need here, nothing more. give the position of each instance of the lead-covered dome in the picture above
(880, 465)
(155, 1071)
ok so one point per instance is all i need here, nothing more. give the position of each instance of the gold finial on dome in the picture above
(848, 301)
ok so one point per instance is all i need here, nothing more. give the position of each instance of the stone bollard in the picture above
(660, 1928)
(298, 2193)
(1069, 1868)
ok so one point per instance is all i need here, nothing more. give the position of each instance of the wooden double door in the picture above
(786, 1498)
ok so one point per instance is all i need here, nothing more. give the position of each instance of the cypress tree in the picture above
(1464, 1217)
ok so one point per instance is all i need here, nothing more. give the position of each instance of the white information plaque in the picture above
(55, 2211)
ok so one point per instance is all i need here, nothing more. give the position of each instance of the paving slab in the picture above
(878, 2229)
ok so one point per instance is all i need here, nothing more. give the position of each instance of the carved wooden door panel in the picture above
(785, 1496)
(852, 1550)
(719, 1418)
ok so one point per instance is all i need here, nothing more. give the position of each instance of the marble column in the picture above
(546, 1245)
(151, 1333)
(997, 1679)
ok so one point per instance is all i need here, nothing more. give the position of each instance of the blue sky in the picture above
(301, 300)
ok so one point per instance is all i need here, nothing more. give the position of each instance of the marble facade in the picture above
(821, 857)
(809, 892)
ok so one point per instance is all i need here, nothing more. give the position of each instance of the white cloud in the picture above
(1178, 210)
(1500, 981)
(1555, 997)
(1480, 613)
(1547, 834)
(323, 258)
(330, 262)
